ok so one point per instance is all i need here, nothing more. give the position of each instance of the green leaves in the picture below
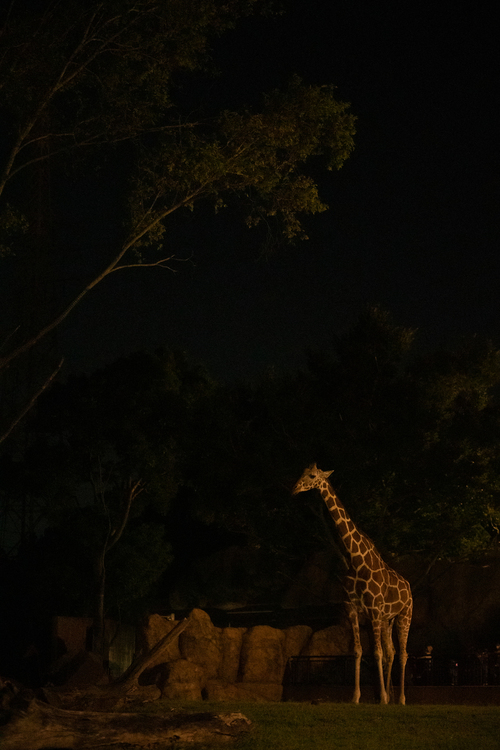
(13, 225)
(109, 83)
(259, 158)
(414, 440)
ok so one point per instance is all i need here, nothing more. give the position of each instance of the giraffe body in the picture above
(373, 589)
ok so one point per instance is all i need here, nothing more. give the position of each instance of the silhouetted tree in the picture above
(103, 85)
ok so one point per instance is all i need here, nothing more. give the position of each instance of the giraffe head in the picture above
(312, 477)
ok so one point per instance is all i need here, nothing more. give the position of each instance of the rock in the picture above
(185, 671)
(219, 690)
(333, 641)
(200, 643)
(184, 681)
(78, 670)
(296, 638)
(231, 642)
(153, 630)
(182, 691)
(262, 655)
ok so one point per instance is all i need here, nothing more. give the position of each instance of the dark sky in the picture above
(413, 223)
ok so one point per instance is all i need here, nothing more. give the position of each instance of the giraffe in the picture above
(372, 587)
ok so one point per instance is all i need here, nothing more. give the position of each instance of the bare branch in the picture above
(134, 489)
(4, 342)
(31, 403)
(157, 264)
(109, 269)
(64, 79)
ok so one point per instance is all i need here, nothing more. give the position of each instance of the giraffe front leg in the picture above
(358, 651)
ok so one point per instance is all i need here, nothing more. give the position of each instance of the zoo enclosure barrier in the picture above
(470, 669)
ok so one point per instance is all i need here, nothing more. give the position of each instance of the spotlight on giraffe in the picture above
(372, 588)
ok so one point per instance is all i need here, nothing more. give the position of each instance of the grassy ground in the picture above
(343, 726)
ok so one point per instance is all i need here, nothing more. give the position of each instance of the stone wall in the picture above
(457, 610)
(456, 607)
(232, 663)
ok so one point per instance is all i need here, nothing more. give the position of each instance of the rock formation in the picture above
(232, 663)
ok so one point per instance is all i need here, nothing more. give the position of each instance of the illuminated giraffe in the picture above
(372, 587)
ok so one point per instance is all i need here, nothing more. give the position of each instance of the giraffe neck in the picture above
(348, 532)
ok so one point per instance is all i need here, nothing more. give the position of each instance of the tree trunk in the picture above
(98, 644)
(42, 726)
(124, 689)
(130, 678)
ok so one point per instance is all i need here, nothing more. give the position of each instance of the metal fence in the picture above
(482, 668)
(470, 669)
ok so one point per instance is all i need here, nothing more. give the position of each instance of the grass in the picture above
(344, 726)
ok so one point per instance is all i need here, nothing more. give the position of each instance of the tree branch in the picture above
(113, 266)
(31, 403)
(134, 489)
(135, 670)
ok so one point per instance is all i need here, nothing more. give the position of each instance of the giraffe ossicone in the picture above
(373, 589)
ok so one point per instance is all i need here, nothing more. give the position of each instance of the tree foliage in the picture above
(104, 86)
(413, 438)
(106, 461)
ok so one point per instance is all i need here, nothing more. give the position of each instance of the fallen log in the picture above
(30, 724)
(42, 726)
(131, 676)
(123, 690)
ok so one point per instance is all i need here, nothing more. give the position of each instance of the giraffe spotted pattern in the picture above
(373, 589)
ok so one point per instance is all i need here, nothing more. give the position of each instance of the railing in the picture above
(482, 668)
(470, 669)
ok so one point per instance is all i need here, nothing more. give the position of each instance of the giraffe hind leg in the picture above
(403, 627)
(389, 652)
(379, 654)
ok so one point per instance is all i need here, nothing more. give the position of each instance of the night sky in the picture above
(413, 219)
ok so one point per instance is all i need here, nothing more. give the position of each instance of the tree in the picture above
(413, 438)
(113, 446)
(453, 482)
(98, 83)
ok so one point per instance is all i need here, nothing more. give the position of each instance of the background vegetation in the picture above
(149, 465)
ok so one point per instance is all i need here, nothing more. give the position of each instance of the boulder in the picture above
(220, 690)
(262, 655)
(78, 670)
(231, 642)
(184, 681)
(153, 629)
(333, 641)
(296, 638)
(200, 643)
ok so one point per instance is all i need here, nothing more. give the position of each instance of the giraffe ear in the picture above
(326, 474)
